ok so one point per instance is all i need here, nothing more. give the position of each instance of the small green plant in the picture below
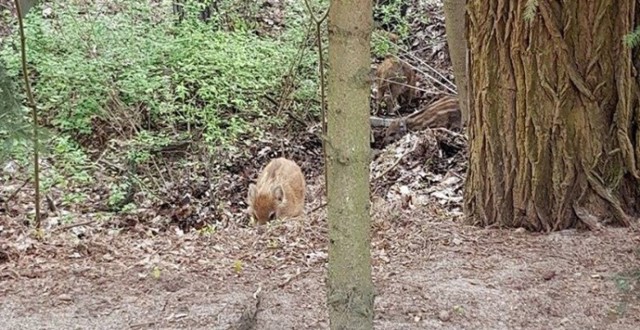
(73, 198)
(117, 193)
(128, 208)
(391, 14)
(155, 272)
(207, 230)
(71, 169)
(632, 40)
(67, 218)
(381, 46)
(628, 283)
(238, 266)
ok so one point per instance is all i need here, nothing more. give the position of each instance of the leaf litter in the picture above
(190, 259)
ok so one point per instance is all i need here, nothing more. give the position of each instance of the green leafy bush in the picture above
(130, 78)
(108, 63)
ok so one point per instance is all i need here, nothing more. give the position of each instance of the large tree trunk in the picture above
(349, 284)
(554, 114)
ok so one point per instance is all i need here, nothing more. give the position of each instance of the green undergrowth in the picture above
(128, 71)
(117, 81)
(389, 13)
(100, 64)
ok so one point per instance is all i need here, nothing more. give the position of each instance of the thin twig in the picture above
(16, 192)
(295, 118)
(323, 104)
(450, 132)
(13, 274)
(291, 72)
(34, 113)
(407, 85)
(419, 60)
(318, 207)
(73, 225)
(429, 76)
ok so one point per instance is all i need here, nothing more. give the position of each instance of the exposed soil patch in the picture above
(429, 272)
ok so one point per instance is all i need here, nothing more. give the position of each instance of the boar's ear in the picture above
(251, 196)
(278, 194)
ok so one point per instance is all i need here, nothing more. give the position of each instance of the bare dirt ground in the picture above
(430, 271)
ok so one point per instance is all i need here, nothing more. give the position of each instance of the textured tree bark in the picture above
(554, 114)
(455, 12)
(349, 284)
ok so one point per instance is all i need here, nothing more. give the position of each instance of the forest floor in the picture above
(193, 262)
(430, 270)
(429, 273)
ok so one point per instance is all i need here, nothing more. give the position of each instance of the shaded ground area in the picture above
(429, 272)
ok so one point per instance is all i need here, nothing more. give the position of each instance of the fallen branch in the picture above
(73, 225)
(16, 192)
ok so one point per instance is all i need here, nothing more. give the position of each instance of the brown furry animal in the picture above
(444, 113)
(279, 192)
(399, 80)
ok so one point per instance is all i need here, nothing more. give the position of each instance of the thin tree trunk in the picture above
(454, 12)
(554, 114)
(349, 285)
